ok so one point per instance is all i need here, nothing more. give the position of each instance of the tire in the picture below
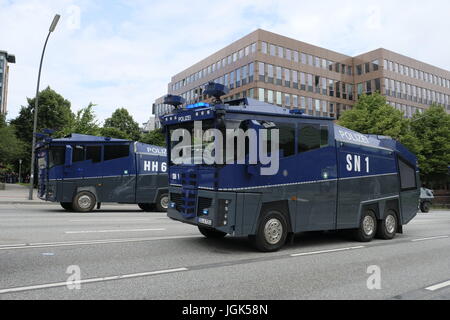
(162, 202)
(84, 201)
(147, 207)
(425, 207)
(387, 228)
(67, 206)
(211, 233)
(272, 231)
(367, 227)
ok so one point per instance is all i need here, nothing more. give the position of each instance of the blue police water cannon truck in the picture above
(82, 171)
(316, 176)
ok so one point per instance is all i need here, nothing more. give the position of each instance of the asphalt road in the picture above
(124, 253)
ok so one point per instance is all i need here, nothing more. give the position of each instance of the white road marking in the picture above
(94, 242)
(63, 284)
(430, 238)
(438, 286)
(119, 230)
(325, 251)
(13, 245)
(106, 219)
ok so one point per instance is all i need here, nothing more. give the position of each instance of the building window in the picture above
(287, 78)
(251, 72)
(279, 102)
(261, 71)
(359, 69)
(278, 69)
(295, 101)
(287, 100)
(270, 73)
(264, 47)
(375, 65)
(261, 94)
(272, 50)
(269, 96)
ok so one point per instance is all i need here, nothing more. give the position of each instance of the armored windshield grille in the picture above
(177, 199)
(204, 203)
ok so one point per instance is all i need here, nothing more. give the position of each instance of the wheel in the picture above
(367, 227)
(387, 228)
(147, 207)
(67, 206)
(162, 203)
(84, 201)
(272, 231)
(211, 233)
(425, 207)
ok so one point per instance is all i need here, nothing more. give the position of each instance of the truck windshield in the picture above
(193, 142)
(56, 156)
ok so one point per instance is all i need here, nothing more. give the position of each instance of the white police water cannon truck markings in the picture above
(81, 171)
(328, 177)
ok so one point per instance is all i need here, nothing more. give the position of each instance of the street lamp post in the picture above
(20, 170)
(36, 104)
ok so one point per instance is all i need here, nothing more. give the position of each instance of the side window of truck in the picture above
(312, 137)
(116, 151)
(94, 153)
(287, 138)
(407, 175)
(78, 153)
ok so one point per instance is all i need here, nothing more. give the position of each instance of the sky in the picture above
(123, 53)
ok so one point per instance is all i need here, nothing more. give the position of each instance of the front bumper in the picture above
(213, 209)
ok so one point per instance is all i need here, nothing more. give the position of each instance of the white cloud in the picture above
(123, 53)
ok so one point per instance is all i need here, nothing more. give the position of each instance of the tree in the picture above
(432, 128)
(123, 121)
(84, 122)
(371, 114)
(155, 137)
(2, 120)
(11, 148)
(53, 113)
(114, 133)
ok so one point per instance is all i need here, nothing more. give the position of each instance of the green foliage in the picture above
(432, 128)
(123, 121)
(84, 122)
(373, 115)
(2, 120)
(114, 133)
(11, 148)
(53, 113)
(155, 137)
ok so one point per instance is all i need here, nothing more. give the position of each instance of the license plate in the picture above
(208, 222)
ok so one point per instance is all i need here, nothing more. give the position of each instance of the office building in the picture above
(5, 59)
(293, 74)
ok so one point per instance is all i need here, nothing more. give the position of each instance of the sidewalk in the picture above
(18, 194)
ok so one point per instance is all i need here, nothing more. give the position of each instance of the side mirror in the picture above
(68, 160)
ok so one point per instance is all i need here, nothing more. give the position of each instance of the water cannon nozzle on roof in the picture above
(174, 101)
(216, 90)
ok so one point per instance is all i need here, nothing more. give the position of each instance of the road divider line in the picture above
(106, 219)
(109, 231)
(325, 251)
(94, 242)
(91, 280)
(13, 245)
(438, 286)
(429, 238)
